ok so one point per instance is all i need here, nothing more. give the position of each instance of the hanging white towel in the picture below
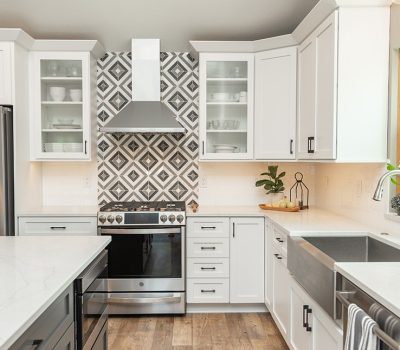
(360, 335)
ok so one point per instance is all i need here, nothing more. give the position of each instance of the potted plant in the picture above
(395, 201)
(273, 184)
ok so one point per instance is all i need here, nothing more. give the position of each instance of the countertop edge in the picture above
(25, 325)
(393, 308)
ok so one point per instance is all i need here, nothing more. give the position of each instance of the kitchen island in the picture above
(34, 272)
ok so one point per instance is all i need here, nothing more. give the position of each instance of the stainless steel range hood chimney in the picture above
(146, 113)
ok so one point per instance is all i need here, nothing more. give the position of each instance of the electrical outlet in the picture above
(203, 181)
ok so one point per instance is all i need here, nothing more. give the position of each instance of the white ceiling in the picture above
(175, 22)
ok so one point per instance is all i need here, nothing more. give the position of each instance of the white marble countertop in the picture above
(34, 272)
(60, 211)
(381, 280)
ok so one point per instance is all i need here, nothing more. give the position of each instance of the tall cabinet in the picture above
(275, 104)
(342, 87)
(61, 105)
(226, 106)
(5, 73)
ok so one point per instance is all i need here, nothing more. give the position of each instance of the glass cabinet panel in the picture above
(62, 109)
(61, 106)
(226, 111)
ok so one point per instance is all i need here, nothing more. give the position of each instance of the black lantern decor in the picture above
(299, 192)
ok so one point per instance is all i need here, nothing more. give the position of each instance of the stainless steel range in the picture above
(146, 257)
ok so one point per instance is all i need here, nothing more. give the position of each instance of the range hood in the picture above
(145, 113)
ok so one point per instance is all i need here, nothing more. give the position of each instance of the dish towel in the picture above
(360, 335)
(389, 323)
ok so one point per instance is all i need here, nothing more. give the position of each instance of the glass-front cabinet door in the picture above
(226, 106)
(61, 105)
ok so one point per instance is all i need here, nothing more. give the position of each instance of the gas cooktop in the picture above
(142, 213)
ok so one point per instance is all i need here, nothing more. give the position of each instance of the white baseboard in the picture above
(225, 308)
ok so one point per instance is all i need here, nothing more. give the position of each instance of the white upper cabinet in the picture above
(342, 87)
(61, 106)
(226, 106)
(275, 104)
(247, 260)
(6, 85)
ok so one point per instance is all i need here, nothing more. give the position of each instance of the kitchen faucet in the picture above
(379, 187)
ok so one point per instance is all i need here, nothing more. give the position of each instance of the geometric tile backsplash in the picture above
(145, 167)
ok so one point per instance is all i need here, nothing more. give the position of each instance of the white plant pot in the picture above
(274, 197)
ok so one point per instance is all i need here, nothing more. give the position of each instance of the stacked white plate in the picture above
(226, 148)
(63, 147)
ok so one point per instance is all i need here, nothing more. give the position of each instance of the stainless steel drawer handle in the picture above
(280, 240)
(58, 227)
(208, 290)
(278, 256)
(208, 228)
(208, 268)
(35, 344)
(208, 248)
(162, 300)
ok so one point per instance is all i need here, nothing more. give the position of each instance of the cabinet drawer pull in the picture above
(291, 146)
(208, 290)
(35, 344)
(279, 240)
(208, 227)
(208, 248)
(278, 256)
(208, 268)
(85, 147)
(308, 327)
(305, 308)
(310, 144)
(58, 227)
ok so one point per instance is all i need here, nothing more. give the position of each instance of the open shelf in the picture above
(54, 79)
(61, 102)
(227, 103)
(228, 131)
(62, 130)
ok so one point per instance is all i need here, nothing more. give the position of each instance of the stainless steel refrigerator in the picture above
(7, 216)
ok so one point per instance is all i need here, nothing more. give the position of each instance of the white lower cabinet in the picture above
(225, 260)
(280, 291)
(57, 225)
(247, 260)
(310, 327)
(302, 322)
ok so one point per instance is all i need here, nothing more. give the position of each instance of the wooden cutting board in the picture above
(267, 207)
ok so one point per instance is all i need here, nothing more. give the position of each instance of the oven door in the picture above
(92, 315)
(146, 259)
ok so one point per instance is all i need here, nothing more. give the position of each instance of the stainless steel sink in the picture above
(311, 260)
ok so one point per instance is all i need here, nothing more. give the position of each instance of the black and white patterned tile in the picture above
(147, 166)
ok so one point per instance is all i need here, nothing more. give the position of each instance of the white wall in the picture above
(69, 184)
(234, 183)
(347, 189)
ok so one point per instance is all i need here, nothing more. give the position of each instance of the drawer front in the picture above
(67, 342)
(53, 226)
(208, 267)
(279, 255)
(280, 238)
(208, 248)
(49, 328)
(207, 227)
(208, 290)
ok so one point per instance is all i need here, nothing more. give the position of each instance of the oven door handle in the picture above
(139, 231)
(173, 299)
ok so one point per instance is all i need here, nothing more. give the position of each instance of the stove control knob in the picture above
(171, 218)
(110, 219)
(163, 218)
(102, 219)
(180, 218)
(119, 218)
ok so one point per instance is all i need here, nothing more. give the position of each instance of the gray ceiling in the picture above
(175, 22)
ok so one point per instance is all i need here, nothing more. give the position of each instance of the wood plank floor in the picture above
(195, 331)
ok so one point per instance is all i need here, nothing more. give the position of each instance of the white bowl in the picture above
(57, 93)
(75, 94)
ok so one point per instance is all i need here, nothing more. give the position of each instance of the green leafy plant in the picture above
(273, 183)
(390, 167)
